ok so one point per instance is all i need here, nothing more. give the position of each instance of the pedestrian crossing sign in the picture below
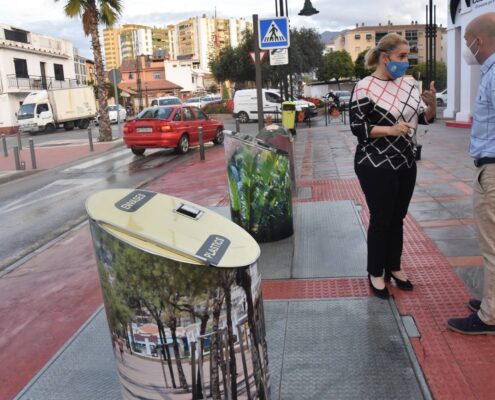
(274, 33)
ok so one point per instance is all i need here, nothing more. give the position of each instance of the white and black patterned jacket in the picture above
(377, 102)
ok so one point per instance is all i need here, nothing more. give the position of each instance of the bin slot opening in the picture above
(189, 211)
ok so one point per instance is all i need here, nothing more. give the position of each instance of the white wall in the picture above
(180, 73)
(462, 79)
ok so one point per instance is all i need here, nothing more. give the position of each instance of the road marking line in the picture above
(97, 161)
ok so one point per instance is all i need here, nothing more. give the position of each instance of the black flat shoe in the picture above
(403, 285)
(381, 293)
(474, 305)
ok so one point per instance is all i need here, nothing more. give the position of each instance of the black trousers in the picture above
(388, 193)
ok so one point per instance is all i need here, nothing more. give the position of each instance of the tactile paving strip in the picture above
(311, 357)
(329, 241)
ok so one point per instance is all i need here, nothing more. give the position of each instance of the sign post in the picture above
(257, 69)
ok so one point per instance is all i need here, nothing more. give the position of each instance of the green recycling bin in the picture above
(289, 114)
(182, 295)
(259, 180)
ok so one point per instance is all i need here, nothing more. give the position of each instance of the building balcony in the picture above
(35, 82)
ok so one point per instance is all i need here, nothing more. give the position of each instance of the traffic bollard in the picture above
(4, 143)
(201, 144)
(17, 158)
(33, 154)
(237, 125)
(19, 142)
(90, 137)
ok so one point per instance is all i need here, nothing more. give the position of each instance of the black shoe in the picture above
(381, 293)
(474, 305)
(403, 285)
(471, 325)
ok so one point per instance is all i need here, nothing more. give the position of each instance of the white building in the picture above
(80, 68)
(28, 62)
(462, 79)
(187, 74)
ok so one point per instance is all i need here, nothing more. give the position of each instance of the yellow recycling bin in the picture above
(182, 295)
(289, 114)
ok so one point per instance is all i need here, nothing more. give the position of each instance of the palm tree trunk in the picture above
(105, 129)
(214, 349)
(227, 287)
(182, 377)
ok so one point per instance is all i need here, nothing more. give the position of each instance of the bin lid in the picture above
(172, 228)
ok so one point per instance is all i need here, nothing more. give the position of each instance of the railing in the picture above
(34, 82)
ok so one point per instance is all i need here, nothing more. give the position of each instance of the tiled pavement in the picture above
(440, 245)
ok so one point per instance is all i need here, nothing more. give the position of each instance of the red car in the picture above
(170, 127)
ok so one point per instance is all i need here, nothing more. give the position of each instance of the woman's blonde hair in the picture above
(387, 43)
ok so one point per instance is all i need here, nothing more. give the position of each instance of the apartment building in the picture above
(30, 61)
(197, 39)
(363, 37)
(80, 68)
(128, 41)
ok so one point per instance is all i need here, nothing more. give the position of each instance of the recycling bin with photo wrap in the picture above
(182, 296)
(259, 182)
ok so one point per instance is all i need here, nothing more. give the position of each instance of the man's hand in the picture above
(429, 96)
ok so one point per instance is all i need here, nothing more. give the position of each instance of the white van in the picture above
(246, 104)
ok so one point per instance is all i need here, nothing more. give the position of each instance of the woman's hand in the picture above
(400, 129)
(429, 96)
(430, 99)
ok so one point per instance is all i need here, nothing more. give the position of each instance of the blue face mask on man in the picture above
(397, 68)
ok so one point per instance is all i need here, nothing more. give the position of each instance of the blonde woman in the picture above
(385, 109)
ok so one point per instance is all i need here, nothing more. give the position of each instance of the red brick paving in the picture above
(37, 319)
(465, 261)
(51, 157)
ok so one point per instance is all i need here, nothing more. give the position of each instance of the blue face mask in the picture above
(397, 68)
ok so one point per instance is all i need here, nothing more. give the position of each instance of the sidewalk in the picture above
(440, 256)
(50, 155)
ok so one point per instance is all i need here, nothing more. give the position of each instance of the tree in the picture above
(336, 65)
(305, 50)
(419, 73)
(213, 88)
(92, 13)
(360, 69)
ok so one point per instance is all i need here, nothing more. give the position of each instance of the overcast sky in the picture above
(47, 16)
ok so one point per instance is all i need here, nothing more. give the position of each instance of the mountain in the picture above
(327, 36)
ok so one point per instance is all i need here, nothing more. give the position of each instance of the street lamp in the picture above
(308, 9)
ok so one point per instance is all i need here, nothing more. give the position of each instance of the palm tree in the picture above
(92, 13)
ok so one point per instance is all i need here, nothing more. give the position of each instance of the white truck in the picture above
(46, 110)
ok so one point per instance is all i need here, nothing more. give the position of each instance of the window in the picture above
(188, 115)
(272, 97)
(177, 115)
(157, 75)
(16, 35)
(130, 76)
(21, 70)
(41, 107)
(164, 113)
(59, 72)
(369, 36)
(200, 114)
(356, 36)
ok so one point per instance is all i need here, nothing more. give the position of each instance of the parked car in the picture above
(203, 101)
(175, 126)
(112, 114)
(344, 96)
(165, 101)
(442, 98)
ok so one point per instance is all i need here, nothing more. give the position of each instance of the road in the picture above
(41, 207)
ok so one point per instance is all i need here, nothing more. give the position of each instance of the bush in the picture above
(218, 108)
